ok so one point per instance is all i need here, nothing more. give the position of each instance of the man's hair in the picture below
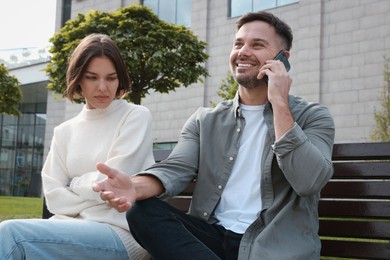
(281, 28)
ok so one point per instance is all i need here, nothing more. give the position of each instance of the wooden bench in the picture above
(354, 208)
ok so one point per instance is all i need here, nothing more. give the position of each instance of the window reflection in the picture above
(172, 11)
(21, 151)
(240, 7)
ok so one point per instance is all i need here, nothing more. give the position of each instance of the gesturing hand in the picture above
(117, 189)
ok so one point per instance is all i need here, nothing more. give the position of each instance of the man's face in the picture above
(255, 43)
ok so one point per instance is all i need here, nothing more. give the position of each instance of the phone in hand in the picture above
(283, 58)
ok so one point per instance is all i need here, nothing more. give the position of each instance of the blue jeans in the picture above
(59, 239)
(167, 233)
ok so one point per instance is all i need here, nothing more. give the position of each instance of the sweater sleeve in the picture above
(60, 199)
(131, 152)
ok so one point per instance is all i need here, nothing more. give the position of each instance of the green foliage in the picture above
(10, 93)
(381, 132)
(159, 55)
(228, 88)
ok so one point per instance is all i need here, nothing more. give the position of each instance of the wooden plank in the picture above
(355, 229)
(358, 151)
(189, 190)
(357, 189)
(357, 250)
(370, 169)
(180, 203)
(354, 209)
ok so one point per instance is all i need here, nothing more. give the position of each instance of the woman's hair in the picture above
(281, 28)
(92, 46)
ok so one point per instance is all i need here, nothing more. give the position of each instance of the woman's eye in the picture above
(89, 77)
(111, 78)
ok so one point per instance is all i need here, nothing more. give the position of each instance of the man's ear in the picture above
(287, 54)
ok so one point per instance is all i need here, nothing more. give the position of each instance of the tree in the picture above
(160, 56)
(228, 88)
(10, 93)
(382, 117)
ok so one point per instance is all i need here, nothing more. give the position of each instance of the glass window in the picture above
(172, 11)
(263, 4)
(21, 151)
(167, 11)
(183, 16)
(240, 7)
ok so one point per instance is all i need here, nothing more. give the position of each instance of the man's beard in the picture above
(249, 81)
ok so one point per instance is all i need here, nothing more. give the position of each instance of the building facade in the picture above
(22, 138)
(336, 57)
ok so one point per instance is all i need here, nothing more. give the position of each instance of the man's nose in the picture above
(244, 51)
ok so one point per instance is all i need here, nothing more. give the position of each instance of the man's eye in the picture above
(258, 45)
(237, 45)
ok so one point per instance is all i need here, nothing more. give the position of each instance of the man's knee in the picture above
(141, 210)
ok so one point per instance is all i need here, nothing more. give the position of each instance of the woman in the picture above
(108, 129)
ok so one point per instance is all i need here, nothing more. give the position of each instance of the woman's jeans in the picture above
(59, 239)
(168, 233)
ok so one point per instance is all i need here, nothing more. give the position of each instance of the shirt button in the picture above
(219, 187)
(231, 158)
(238, 130)
(205, 214)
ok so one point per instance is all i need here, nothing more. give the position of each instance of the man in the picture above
(260, 161)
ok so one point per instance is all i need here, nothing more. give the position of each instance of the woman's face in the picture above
(99, 83)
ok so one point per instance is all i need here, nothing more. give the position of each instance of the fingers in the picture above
(124, 207)
(106, 170)
(120, 204)
(96, 187)
(107, 195)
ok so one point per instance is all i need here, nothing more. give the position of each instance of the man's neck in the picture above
(254, 96)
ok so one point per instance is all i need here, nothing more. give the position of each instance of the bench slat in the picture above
(353, 249)
(356, 189)
(181, 203)
(358, 170)
(355, 229)
(354, 209)
(361, 151)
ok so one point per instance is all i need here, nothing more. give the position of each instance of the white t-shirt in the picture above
(241, 199)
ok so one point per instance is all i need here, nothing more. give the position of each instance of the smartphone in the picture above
(282, 57)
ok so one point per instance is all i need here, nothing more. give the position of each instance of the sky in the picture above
(26, 23)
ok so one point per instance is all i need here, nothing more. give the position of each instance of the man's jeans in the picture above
(169, 234)
(59, 239)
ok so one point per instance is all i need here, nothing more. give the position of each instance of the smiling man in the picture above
(260, 161)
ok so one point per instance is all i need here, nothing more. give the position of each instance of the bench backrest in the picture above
(355, 205)
(354, 208)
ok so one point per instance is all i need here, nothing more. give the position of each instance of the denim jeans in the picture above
(169, 234)
(59, 239)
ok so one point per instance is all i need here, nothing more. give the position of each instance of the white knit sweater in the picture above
(119, 135)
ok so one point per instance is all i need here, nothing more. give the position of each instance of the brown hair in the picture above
(281, 28)
(95, 45)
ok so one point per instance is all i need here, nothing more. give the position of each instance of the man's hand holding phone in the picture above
(283, 58)
(274, 72)
(279, 83)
